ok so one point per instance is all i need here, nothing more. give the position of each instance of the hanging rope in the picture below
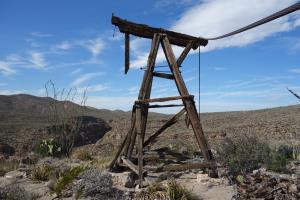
(272, 17)
(199, 64)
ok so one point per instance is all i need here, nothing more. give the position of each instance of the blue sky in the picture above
(72, 44)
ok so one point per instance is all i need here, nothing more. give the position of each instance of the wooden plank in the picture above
(165, 99)
(145, 31)
(169, 123)
(113, 162)
(127, 49)
(163, 75)
(187, 121)
(139, 145)
(131, 131)
(131, 166)
(189, 103)
(145, 89)
(165, 106)
(185, 166)
(132, 144)
(184, 53)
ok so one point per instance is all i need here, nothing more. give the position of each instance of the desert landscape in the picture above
(209, 108)
(103, 131)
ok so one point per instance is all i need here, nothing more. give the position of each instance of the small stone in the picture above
(14, 175)
(292, 188)
(202, 178)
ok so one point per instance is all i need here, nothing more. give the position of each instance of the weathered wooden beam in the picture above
(165, 106)
(113, 162)
(145, 89)
(165, 99)
(131, 131)
(187, 121)
(163, 75)
(139, 144)
(189, 104)
(131, 166)
(169, 123)
(185, 166)
(145, 31)
(184, 53)
(127, 49)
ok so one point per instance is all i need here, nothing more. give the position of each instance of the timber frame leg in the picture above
(136, 134)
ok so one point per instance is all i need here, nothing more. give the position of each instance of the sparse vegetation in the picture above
(83, 155)
(8, 165)
(94, 182)
(102, 163)
(171, 191)
(64, 119)
(15, 192)
(66, 179)
(41, 172)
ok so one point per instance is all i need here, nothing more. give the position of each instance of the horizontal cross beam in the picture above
(164, 99)
(145, 31)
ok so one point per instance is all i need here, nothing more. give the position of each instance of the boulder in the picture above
(92, 129)
(125, 179)
(15, 175)
(6, 150)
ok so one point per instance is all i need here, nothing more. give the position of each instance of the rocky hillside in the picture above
(23, 119)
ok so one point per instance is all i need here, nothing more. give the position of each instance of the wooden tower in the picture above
(141, 107)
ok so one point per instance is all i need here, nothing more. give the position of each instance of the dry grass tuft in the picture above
(171, 191)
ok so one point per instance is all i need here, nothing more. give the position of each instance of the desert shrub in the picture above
(49, 147)
(15, 192)
(286, 151)
(243, 154)
(278, 158)
(94, 182)
(171, 191)
(64, 115)
(41, 172)
(8, 165)
(246, 153)
(83, 155)
(103, 162)
(67, 178)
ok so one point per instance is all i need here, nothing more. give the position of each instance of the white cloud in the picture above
(217, 17)
(111, 102)
(5, 69)
(10, 92)
(95, 46)
(296, 70)
(76, 71)
(40, 34)
(85, 77)
(93, 88)
(65, 45)
(219, 68)
(37, 59)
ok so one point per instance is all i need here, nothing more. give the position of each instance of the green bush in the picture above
(67, 178)
(246, 153)
(278, 159)
(243, 154)
(49, 147)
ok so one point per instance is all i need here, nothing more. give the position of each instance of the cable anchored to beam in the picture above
(272, 17)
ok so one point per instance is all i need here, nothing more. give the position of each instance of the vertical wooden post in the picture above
(127, 49)
(139, 130)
